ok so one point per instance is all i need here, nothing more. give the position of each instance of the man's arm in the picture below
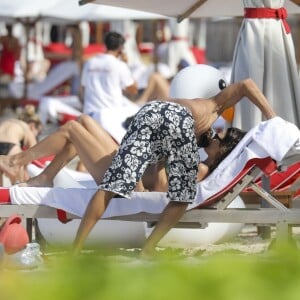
(245, 88)
(132, 88)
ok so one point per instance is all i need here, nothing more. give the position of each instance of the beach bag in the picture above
(13, 235)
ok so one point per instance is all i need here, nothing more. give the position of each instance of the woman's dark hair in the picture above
(113, 41)
(231, 139)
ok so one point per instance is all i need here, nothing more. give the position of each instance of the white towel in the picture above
(74, 200)
(112, 119)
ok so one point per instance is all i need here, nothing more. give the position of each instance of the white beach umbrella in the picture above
(188, 8)
(71, 11)
(68, 11)
(20, 9)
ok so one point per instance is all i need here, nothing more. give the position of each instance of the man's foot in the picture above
(147, 253)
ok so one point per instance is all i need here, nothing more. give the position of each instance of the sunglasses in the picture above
(217, 137)
(206, 138)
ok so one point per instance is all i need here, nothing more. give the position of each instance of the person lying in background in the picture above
(19, 133)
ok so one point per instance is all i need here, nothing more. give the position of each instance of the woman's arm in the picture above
(28, 136)
(245, 88)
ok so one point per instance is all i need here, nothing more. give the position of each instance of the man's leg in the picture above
(93, 213)
(168, 219)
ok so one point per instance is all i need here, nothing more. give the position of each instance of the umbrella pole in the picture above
(25, 87)
(27, 24)
(190, 10)
(155, 42)
(296, 2)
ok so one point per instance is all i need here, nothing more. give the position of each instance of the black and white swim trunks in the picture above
(159, 130)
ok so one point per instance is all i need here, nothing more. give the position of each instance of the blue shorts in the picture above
(160, 130)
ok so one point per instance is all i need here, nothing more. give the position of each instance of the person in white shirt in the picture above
(106, 77)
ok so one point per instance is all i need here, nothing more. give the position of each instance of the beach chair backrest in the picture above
(266, 166)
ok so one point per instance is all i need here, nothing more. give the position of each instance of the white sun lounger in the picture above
(146, 207)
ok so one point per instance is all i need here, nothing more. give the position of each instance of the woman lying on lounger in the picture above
(19, 133)
(170, 131)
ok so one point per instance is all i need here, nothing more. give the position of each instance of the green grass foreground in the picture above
(232, 276)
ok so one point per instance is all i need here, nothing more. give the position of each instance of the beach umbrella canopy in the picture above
(20, 9)
(66, 11)
(188, 8)
(71, 11)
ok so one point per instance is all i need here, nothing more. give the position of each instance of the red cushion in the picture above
(4, 195)
(64, 118)
(94, 49)
(60, 48)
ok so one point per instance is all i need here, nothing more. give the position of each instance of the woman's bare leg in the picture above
(94, 146)
(46, 177)
(81, 167)
(103, 143)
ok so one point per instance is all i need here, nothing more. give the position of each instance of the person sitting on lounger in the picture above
(162, 130)
(16, 134)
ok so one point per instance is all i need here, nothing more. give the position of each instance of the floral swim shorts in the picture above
(160, 130)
